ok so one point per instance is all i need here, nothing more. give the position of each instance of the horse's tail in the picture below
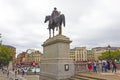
(63, 19)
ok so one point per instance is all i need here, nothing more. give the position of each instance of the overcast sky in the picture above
(89, 23)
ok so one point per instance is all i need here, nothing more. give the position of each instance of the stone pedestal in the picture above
(56, 63)
(10, 66)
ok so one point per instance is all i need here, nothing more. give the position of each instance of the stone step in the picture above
(83, 78)
(73, 79)
(80, 78)
(89, 77)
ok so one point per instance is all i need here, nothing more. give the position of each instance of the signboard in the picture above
(66, 67)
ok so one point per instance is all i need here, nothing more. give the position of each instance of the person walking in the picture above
(108, 64)
(113, 66)
(95, 66)
(15, 72)
(104, 66)
(7, 73)
(23, 72)
(89, 66)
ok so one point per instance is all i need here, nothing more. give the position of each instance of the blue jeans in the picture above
(104, 68)
(113, 69)
(94, 69)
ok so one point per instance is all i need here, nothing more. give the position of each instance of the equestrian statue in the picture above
(55, 20)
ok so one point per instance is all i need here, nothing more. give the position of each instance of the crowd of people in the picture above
(17, 70)
(105, 65)
(5, 70)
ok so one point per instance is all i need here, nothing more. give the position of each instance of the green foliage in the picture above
(0, 40)
(110, 55)
(5, 54)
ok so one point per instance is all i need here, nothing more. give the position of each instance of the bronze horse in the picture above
(57, 22)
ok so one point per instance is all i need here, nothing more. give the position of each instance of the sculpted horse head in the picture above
(47, 18)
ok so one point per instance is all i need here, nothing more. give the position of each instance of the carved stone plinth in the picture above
(56, 63)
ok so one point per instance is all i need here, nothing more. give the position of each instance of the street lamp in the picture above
(109, 52)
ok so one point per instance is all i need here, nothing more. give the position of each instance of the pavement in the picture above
(31, 77)
(99, 76)
(27, 77)
(102, 75)
(3, 76)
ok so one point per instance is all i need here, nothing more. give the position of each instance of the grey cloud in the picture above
(89, 23)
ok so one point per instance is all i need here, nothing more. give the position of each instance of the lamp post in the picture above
(109, 52)
(109, 57)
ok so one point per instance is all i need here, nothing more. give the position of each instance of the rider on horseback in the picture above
(54, 15)
(56, 19)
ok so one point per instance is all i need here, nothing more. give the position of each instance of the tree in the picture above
(112, 55)
(5, 54)
(0, 40)
(116, 54)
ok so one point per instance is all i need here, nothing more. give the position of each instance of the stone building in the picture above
(79, 54)
(72, 54)
(20, 57)
(33, 55)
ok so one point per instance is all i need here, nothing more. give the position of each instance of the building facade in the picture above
(78, 54)
(33, 56)
(20, 57)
